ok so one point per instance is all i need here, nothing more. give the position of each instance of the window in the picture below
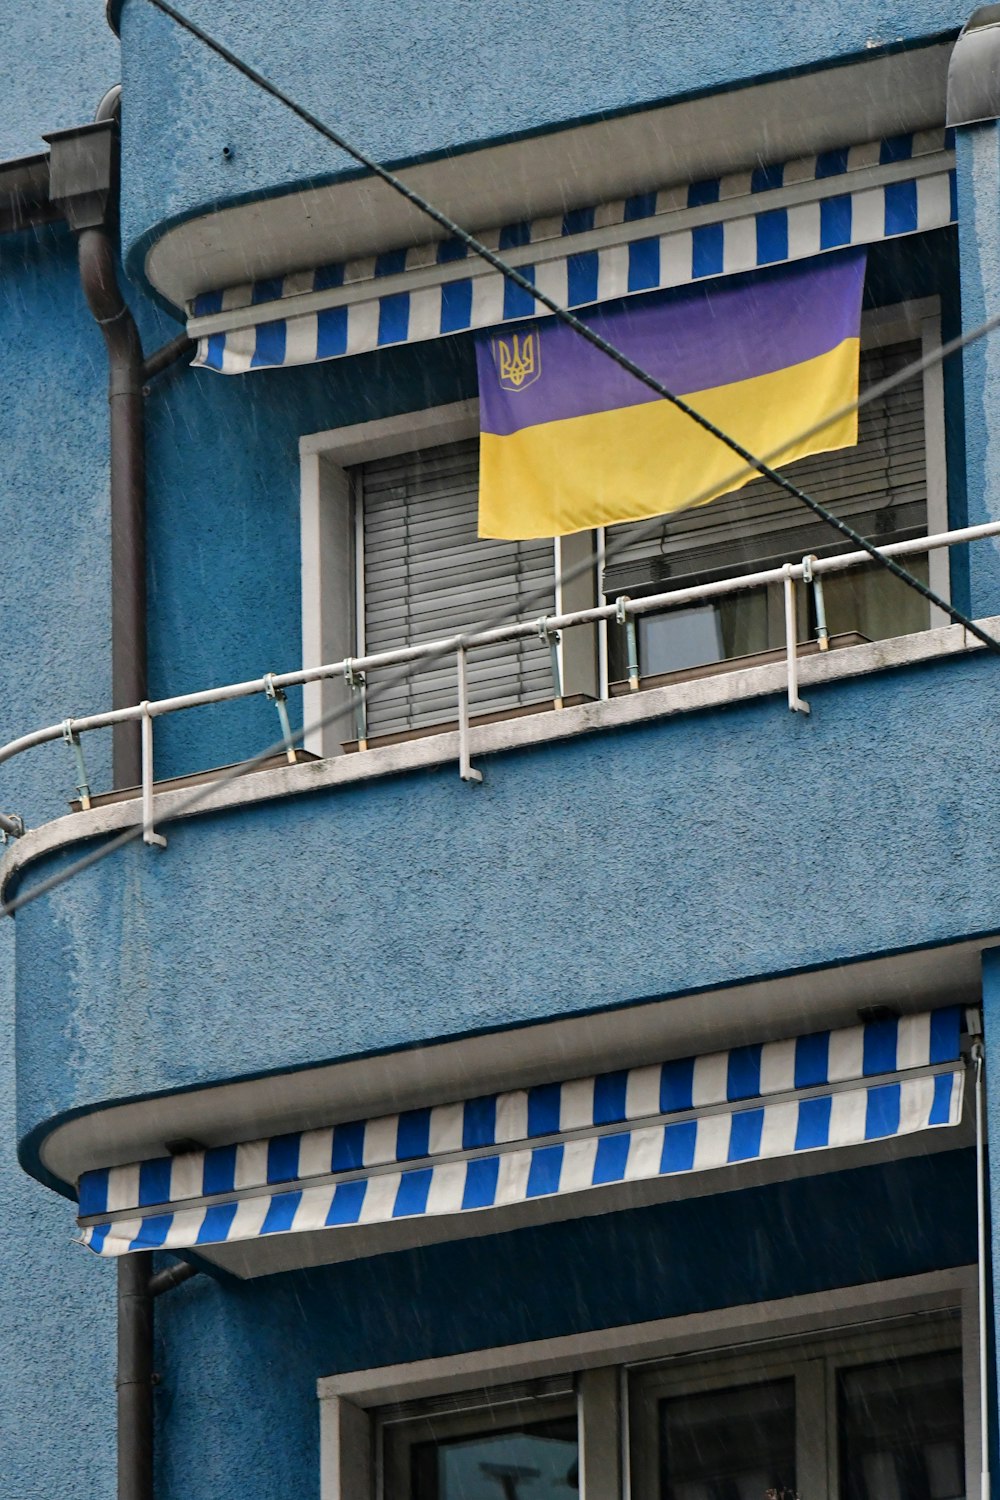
(873, 1416)
(865, 1393)
(889, 488)
(876, 1414)
(426, 574)
(730, 1444)
(507, 1444)
(900, 1425)
(391, 555)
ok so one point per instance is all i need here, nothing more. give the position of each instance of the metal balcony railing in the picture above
(355, 670)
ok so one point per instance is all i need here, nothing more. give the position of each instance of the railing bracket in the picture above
(11, 827)
(624, 618)
(82, 785)
(279, 698)
(358, 684)
(551, 638)
(810, 576)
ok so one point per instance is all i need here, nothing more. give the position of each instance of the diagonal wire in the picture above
(498, 616)
(444, 221)
(750, 466)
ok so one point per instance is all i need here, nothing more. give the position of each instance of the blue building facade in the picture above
(566, 1082)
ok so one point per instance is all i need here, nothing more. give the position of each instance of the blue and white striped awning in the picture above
(811, 1093)
(653, 240)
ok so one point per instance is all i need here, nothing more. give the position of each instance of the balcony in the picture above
(314, 915)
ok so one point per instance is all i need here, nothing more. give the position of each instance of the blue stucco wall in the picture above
(59, 59)
(223, 526)
(456, 74)
(682, 854)
(56, 1317)
(978, 174)
(238, 1410)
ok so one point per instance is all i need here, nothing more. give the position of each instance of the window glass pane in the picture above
(901, 1427)
(729, 1445)
(745, 624)
(428, 574)
(682, 638)
(875, 603)
(523, 1463)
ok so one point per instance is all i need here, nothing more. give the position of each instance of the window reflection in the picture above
(901, 1426)
(523, 1463)
(734, 1444)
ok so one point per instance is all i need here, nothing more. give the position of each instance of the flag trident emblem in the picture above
(518, 359)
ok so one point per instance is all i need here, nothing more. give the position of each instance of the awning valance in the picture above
(650, 241)
(776, 1099)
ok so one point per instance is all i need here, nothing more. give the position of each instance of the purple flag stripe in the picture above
(704, 337)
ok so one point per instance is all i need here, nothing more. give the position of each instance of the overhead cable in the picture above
(644, 531)
(455, 230)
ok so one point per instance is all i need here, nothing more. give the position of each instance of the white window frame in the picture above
(332, 549)
(332, 560)
(601, 1362)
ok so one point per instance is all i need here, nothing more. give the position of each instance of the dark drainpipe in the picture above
(128, 491)
(83, 167)
(137, 1289)
(134, 1380)
(83, 171)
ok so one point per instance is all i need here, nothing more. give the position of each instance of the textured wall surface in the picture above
(238, 1407)
(59, 58)
(978, 161)
(682, 854)
(225, 567)
(456, 74)
(56, 1315)
(991, 1032)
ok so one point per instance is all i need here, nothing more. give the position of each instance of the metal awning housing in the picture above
(651, 241)
(829, 1089)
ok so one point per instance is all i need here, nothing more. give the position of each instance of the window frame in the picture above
(814, 1364)
(471, 1413)
(603, 1363)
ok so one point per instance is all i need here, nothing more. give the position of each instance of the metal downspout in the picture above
(135, 1376)
(138, 1287)
(98, 276)
(83, 182)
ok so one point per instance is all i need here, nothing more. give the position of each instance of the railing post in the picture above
(632, 645)
(359, 693)
(149, 836)
(280, 700)
(809, 576)
(465, 769)
(551, 639)
(82, 784)
(795, 703)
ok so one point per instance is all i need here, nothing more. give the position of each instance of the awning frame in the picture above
(650, 241)
(844, 1093)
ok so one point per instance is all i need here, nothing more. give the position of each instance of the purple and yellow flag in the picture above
(570, 441)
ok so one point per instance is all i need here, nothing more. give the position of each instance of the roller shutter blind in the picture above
(427, 574)
(879, 488)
